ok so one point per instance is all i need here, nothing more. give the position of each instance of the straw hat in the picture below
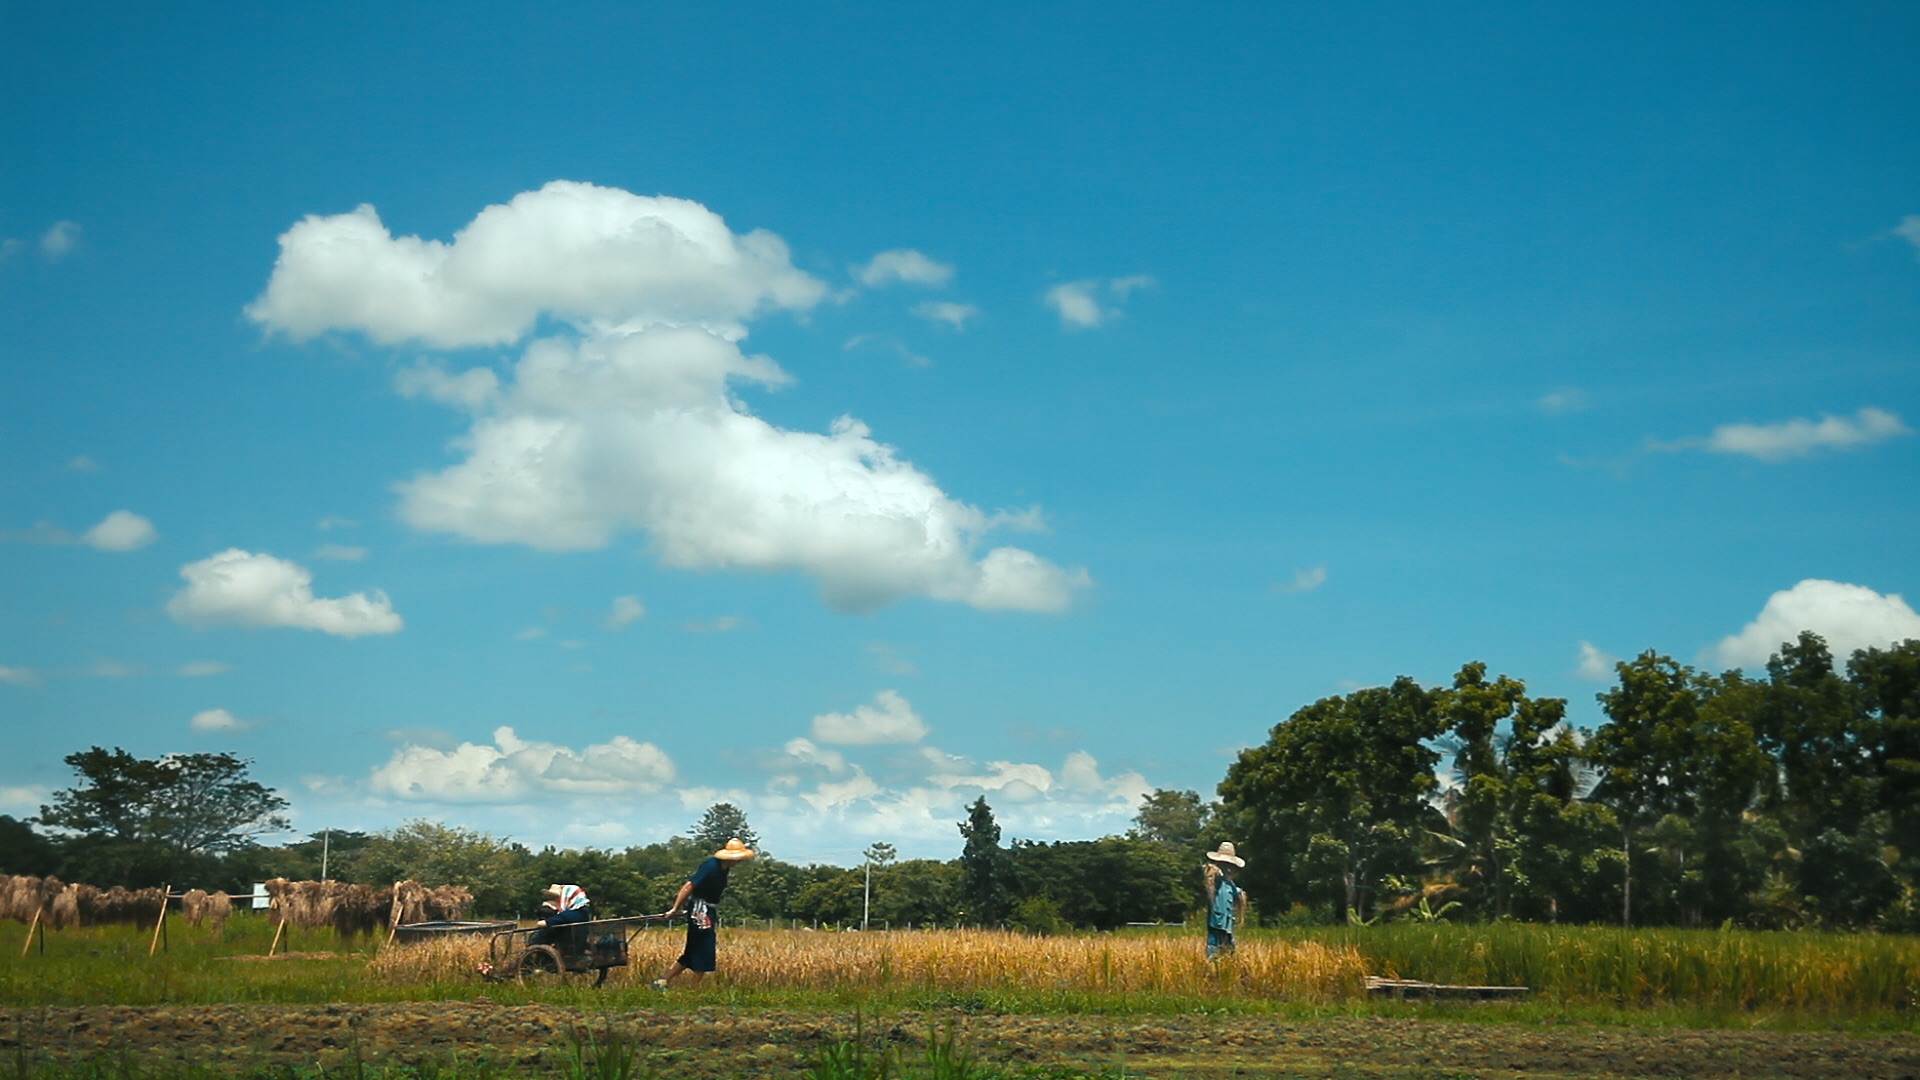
(734, 851)
(1225, 854)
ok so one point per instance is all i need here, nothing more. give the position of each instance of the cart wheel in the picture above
(540, 962)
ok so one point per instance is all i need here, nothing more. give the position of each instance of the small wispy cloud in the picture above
(1594, 664)
(1909, 230)
(1564, 400)
(340, 553)
(1080, 304)
(903, 265)
(1795, 438)
(625, 610)
(59, 240)
(12, 675)
(1305, 580)
(946, 311)
(907, 356)
(719, 624)
(200, 669)
(83, 463)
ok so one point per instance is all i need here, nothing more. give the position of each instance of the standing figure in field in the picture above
(1226, 900)
(701, 897)
(560, 906)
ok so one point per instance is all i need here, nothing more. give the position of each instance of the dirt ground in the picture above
(522, 1039)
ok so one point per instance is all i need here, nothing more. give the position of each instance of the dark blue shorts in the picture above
(703, 937)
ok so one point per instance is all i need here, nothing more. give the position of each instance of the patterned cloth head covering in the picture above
(567, 897)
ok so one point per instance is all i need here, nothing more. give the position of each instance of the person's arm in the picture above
(1239, 907)
(680, 898)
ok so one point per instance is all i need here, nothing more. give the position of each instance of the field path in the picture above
(714, 1043)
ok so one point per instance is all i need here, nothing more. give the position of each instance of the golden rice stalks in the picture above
(957, 960)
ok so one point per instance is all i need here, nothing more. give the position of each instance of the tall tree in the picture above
(1338, 795)
(1886, 686)
(1642, 750)
(985, 896)
(723, 822)
(1178, 819)
(184, 804)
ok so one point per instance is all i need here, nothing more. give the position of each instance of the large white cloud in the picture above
(584, 253)
(512, 769)
(1849, 617)
(890, 719)
(241, 588)
(637, 431)
(631, 421)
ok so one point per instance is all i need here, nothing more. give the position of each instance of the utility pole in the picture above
(866, 897)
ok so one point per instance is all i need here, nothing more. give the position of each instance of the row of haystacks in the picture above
(350, 909)
(363, 909)
(60, 906)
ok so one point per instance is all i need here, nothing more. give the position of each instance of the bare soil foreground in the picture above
(537, 1038)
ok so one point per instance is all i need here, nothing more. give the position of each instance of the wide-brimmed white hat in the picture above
(1224, 853)
(734, 851)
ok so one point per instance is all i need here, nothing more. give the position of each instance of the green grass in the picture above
(1592, 975)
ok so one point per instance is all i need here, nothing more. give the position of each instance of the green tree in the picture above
(1179, 819)
(1886, 684)
(985, 896)
(1335, 800)
(500, 874)
(148, 820)
(723, 822)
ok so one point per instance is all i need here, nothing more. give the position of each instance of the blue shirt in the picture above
(1220, 913)
(710, 879)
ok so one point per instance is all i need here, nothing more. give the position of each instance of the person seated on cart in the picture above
(560, 907)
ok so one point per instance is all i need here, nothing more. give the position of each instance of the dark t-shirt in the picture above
(710, 879)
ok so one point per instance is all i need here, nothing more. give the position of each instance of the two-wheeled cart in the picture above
(596, 945)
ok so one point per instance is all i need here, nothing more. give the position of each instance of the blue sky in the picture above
(553, 422)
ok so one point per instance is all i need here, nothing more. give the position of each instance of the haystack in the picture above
(219, 906)
(448, 902)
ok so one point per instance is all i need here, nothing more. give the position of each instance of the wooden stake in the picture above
(31, 927)
(281, 929)
(161, 924)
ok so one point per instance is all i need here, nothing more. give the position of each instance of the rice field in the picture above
(959, 961)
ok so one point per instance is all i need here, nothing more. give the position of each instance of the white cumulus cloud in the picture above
(890, 719)
(210, 720)
(1849, 617)
(587, 254)
(1798, 437)
(903, 265)
(512, 769)
(122, 530)
(631, 422)
(241, 588)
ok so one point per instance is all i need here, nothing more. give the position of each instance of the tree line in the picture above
(1786, 801)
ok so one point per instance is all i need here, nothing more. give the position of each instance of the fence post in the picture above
(160, 926)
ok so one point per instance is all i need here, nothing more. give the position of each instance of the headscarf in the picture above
(567, 897)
